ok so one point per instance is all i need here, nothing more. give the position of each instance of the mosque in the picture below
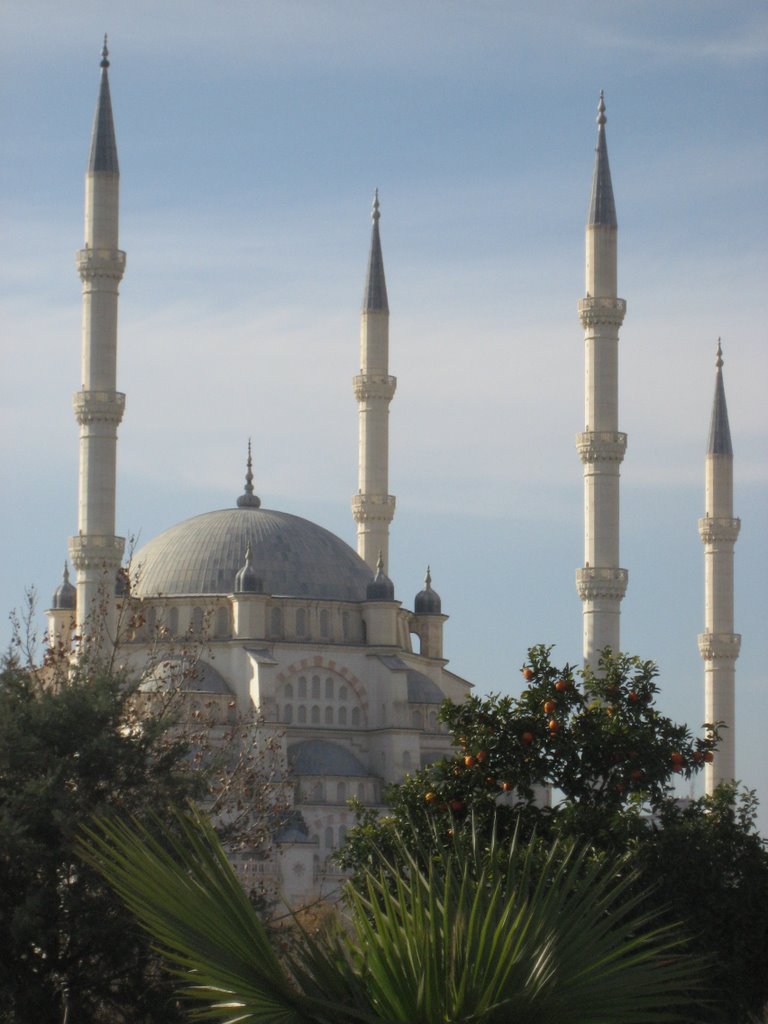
(294, 621)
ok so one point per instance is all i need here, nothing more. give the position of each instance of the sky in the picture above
(251, 136)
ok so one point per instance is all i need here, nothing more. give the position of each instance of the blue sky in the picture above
(251, 136)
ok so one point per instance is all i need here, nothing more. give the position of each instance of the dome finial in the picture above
(428, 580)
(248, 499)
(719, 360)
(375, 213)
(105, 53)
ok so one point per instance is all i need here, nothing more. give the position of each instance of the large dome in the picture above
(291, 556)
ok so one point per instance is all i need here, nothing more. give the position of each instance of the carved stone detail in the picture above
(719, 645)
(367, 507)
(713, 530)
(593, 582)
(604, 311)
(601, 446)
(93, 263)
(374, 385)
(99, 406)
(94, 551)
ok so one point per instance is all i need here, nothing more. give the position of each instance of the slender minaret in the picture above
(373, 507)
(718, 644)
(601, 583)
(96, 552)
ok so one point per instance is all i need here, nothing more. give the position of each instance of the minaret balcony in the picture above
(93, 263)
(595, 312)
(719, 529)
(367, 507)
(594, 582)
(601, 446)
(714, 646)
(99, 406)
(374, 385)
(95, 551)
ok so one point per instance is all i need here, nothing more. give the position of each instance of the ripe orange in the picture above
(554, 725)
(506, 786)
(481, 756)
(528, 674)
(527, 738)
(469, 760)
(456, 805)
(637, 775)
(561, 685)
(709, 757)
(633, 697)
(429, 797)
(549, 707)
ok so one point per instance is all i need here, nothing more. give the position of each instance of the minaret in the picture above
(96, 552)
(718, 644)
(373, 507)
(601, 583)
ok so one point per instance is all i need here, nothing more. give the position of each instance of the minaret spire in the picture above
(601, 583)
(96, 552)
(718, 644)
(373, 507)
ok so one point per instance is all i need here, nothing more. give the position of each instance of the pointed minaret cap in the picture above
(381, 587)
(375, 293)
(427, 601)
(249, 499)
(65, 595)
(103, 146)
(246, 581)
(719, 429)
(602, 208)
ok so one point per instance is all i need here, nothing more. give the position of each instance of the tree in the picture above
(476, 937)
(598, 746)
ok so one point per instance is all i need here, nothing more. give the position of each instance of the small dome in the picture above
(246, 581)
(65, 595)
(427, 601)
(381, 587)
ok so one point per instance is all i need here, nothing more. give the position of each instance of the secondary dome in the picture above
(291, 556)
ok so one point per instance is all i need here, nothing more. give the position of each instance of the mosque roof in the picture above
(320, 757)
(602, 208)
(719, 429)
(103, 146)
(291, 556)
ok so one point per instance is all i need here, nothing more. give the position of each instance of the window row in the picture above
(324, 792)
(329, 715)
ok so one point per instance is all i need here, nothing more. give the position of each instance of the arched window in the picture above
(341, 792)
(315, 687)
(342, 692)
(345, 631)
(301, 622)
(406, 759)
(197, 620)
(342, 833)
(222, 622)
(416, 719)
(316, 792)
(355, 717)
(289, 691)
(151, 621)
(325, 623)
(173, 621)
(288, 714)
(302, 715)
(328, 838)
(329, 688)
(433, 721)
(342, 716)
(328, 715)
(361, 791)
(276, 622)
(315, 715)
(302, 687)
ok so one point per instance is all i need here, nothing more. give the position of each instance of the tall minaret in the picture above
(373, 507)
(718, 644)
(96, 552)
(601, 583)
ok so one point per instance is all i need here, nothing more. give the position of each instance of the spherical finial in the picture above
(375, 214)
(601, 118)
(719, 360)
(249, 499)
(105, 53)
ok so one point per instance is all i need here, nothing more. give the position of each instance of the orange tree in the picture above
(588, 756)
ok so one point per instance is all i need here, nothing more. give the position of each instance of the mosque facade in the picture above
(293, 621)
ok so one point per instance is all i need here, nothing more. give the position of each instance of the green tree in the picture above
(598, 745)
(68, 951)
(482, 936)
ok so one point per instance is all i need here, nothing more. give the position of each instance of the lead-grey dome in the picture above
(291, 556)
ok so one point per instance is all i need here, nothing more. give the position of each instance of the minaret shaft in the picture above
(96, 552)
(601, 583)
(373, 507)
(718, 644)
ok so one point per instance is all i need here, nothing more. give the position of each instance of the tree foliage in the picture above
(589, 757)
(481, 936)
